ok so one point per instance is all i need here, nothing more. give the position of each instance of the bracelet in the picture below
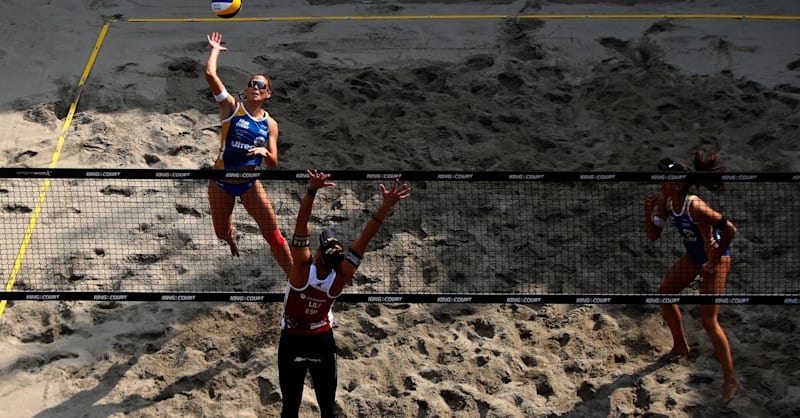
(353, 258)
(300, 241)
(312, 192)
(380, 222)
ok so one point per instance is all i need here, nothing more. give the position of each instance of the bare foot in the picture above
(728, 392)
(680, 351)
(234, 248)
(675, 356)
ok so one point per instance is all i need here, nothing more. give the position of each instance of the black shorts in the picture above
(301, 354)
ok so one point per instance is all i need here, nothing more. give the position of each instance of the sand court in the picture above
(446, 94)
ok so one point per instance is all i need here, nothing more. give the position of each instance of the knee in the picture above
(225, 233)
(275, 239)
(709, 320)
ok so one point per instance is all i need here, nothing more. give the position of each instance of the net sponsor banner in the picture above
(144, 296)
(391, 298)
(536, 176)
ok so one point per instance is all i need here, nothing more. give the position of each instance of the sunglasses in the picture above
(258, 84)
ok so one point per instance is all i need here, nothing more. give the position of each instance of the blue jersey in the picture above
(697, 243)
(240, 133)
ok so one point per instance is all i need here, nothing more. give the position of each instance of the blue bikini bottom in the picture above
(235, 189)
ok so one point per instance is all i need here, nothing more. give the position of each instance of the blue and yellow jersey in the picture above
(240, 133)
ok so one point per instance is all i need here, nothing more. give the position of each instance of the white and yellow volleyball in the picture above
(226, 8)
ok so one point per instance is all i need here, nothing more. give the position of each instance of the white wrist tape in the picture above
(221, 96)
(658, 222)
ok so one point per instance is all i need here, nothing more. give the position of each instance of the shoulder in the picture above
(699, 209)
(298, 277)
(696, 201)
(270, 119)
(229, 108)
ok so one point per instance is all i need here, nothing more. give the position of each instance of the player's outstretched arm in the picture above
(353, 257)
(299, 246)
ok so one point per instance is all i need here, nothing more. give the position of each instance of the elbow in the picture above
(731, 229)
(211, 75)
(652, 233)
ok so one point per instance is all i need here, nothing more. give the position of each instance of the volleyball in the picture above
(226, 8)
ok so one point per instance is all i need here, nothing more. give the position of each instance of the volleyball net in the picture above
(479, 237)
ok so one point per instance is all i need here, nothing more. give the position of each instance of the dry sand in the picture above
(453, 94)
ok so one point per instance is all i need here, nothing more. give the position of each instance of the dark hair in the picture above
(708, 161)
(703, 161)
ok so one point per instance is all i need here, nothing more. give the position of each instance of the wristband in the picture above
(658, 222)
(300, 241)
(312, 192)
(353, 258)
(221, 96)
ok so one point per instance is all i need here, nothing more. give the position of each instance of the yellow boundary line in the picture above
(462, 17)
(53, 163)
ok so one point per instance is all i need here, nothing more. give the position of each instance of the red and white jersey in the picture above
(308, 310)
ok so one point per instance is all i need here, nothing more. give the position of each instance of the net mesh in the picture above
(451, 237)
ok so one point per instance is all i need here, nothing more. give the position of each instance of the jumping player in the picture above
(249, 136)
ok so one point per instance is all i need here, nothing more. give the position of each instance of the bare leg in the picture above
(673, 318)
(222, 205)
(260, 208)
(719, 340)
(722, 350)
(679, 276)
